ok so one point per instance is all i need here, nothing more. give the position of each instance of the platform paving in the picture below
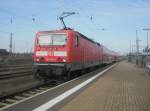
(123, 88)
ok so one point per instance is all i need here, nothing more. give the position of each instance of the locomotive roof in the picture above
(88, 38)
(83, 36)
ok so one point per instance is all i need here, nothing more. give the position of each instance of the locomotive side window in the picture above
(76, 41)
(52, 39)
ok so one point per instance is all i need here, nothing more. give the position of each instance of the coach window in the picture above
(76, 41)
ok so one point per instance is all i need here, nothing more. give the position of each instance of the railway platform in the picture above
(123, 88)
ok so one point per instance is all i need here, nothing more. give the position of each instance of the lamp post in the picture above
(137, 47)
(147, 40)
(11, 39)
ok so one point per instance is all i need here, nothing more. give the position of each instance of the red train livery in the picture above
(59, 52)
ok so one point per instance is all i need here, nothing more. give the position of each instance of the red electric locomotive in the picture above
(59, 52)
(56, 53)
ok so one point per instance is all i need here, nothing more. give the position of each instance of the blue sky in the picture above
(120, 18)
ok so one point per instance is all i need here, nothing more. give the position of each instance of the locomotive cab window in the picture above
(76, 41)
(52, 39)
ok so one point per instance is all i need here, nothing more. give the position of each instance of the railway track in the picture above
(24, 95)
(7, 101)
(12, 74)
(10, 77)
(14, 66)
(10, 71)
(2, 69)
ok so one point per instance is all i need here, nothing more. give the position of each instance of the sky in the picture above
(119, 18)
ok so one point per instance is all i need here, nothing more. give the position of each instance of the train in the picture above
(57, 53)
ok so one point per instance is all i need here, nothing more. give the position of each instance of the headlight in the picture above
(64, 60)
(37, 59)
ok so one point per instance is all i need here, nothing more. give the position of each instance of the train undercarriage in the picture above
(58, 71)
(46, 71)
